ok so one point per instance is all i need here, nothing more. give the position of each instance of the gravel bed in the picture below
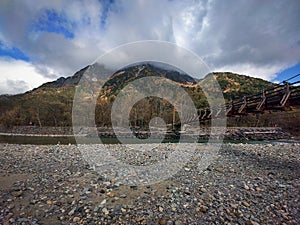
(247, 184)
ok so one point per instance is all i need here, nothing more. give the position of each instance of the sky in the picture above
(41, 41)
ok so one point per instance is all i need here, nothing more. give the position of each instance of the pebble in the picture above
(110, 194)
(203, 208)
(258, 189)
(139, 219)
(203, 190)
(17, 193)
(246, 187)
(76, 219)
(254, 223)
(11, 206)
(123, 210)
(162, 222)
(123, 196)
(245, 203)
(22, 220)
(105, 211)
(103, 202)
(72, 211)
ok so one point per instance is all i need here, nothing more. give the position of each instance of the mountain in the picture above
(64, 82)
(131, 72)
(51, 103)
(236, 86)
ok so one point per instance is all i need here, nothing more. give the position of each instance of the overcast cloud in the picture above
(257, 38)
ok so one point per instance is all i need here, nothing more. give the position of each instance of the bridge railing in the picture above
(278, 97)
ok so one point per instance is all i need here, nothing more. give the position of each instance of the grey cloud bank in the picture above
(257, 38)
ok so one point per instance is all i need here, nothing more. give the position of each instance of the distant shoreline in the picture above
(232, 133)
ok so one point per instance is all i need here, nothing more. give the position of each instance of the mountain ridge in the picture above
(51, 103)
(75, 78)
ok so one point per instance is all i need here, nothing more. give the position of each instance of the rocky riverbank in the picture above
(247, 184)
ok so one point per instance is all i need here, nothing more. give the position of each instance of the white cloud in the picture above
(18, 76)
(267, 72)
(252, 37)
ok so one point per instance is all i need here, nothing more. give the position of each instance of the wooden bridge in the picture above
(280, 97)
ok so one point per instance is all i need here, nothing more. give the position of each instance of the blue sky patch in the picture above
(13, 52)
(53, 22)
(105, 10)
(287, 73)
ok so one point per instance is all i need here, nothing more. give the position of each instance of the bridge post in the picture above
(263, 100)
(230, 108)
(219, 110)
(204, 115)
(210, 113)
(244, 105)
(287, 93)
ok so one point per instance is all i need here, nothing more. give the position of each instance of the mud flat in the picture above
(246, 184)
